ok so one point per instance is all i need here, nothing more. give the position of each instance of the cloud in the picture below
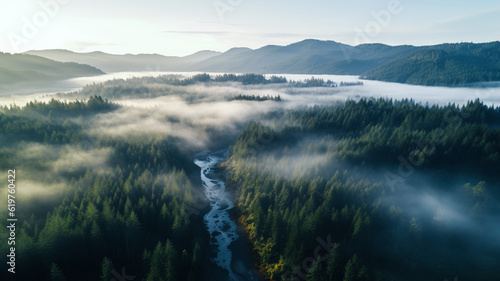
(85, 45)
(467, 17)
(197, 32)
(285, 35)
(173, 116)
(35, 189)
(73, 159)
(190, 112)
(39, 175)
(48, 162)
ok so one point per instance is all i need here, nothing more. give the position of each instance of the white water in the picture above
(220, 226)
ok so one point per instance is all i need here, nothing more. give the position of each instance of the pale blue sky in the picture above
(184, 27)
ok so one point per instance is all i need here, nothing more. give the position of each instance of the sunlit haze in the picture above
(184, 27)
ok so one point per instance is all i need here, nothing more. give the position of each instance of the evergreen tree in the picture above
(106, 269)
(354, 271)
(316, 271)
(56, 273)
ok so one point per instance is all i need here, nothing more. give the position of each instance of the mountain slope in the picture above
(443, 65)
(28, 69)
(128, 62)
(439, 65)
(307, 57)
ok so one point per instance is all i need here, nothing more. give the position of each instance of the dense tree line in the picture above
(299, 187)
(347, 84)
(249, 79)
(49, 122)
(165, 85)
(378, 131)
(313, 82)
(245, 79)
(256, 98)
(131, 213)
(320, 82)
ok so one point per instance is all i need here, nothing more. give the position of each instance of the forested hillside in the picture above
(305, 57)
(443, 65)
(27, 70)
(371, 190)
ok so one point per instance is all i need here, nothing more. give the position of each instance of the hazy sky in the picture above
(184, 27)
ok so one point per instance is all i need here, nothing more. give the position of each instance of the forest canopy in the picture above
(335, 173)
(365, 189)
(113, 201)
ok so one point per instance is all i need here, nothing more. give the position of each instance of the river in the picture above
(221, 227)
(223, 230)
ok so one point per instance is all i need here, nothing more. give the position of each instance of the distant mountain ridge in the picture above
(439, 65)
(305, 57)
(119, 63)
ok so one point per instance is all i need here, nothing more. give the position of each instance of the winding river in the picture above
(221, 227)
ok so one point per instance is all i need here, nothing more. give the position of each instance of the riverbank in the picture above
(244, 262)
